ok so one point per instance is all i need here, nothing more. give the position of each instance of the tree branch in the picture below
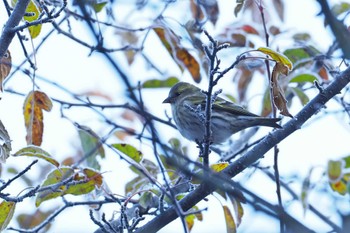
(8, 33)
(253, 155)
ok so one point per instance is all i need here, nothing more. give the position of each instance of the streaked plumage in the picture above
(188, 105)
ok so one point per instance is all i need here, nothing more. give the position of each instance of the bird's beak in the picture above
(168, 100)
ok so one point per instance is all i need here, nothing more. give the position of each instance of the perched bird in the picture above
(188, 106)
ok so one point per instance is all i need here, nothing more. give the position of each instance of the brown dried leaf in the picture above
(277, 91)
(212, 11)
(196, 11)
(5, 67)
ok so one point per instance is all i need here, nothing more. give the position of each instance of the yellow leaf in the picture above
(230, 222)
(34, 103)
(189, 221)
(7, 210)
(33, 12)
(217, 167)
(341, 186)
(278, 57)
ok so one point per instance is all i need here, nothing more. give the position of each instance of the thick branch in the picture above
(339, 30)
(8, 33)
(253, 155)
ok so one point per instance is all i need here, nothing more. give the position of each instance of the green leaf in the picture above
(35, 151)
(99, 6)
(156, 83)
(92, 146)
(83, 183)
(7, 210)
(301, 78)
(304, 99)
(146, 200)
(340, 8)
(301, 55)
(129, 150)
(346, 159)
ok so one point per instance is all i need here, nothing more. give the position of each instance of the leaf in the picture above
(33, 13)
(135, 184)
(335, 170)
(146, 200)
(305, 191)
(304, 99)
(266, 110)
(5, 67)
(82, 183)
(155, 83)
(92, 146)
(301, 55)
(212, 11)
(28, 221)
(239, 6)
(189, 219)
(340, 8)
(7, 210)
(230, 222)
(301, 78)
(5, 143)
(34, 103)
(323, 73)
(278, 57)
(342, 186)
(249, 29)
(93, 176)
(217, 167)
(277, 91)
(187, 60)
(182, 57)
(98, 6)
(279, 6)
(35, 151)
(346, 159)
(196, 11)
(302, 37)
(129, 150)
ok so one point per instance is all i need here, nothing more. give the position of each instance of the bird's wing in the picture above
(229, 107)
(219, 105)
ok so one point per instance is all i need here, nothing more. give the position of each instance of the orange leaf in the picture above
(163, 38)
(183, 58)
(189, 62)
(33, 115)
(5, 67)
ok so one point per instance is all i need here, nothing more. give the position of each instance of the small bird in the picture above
(188, 106)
